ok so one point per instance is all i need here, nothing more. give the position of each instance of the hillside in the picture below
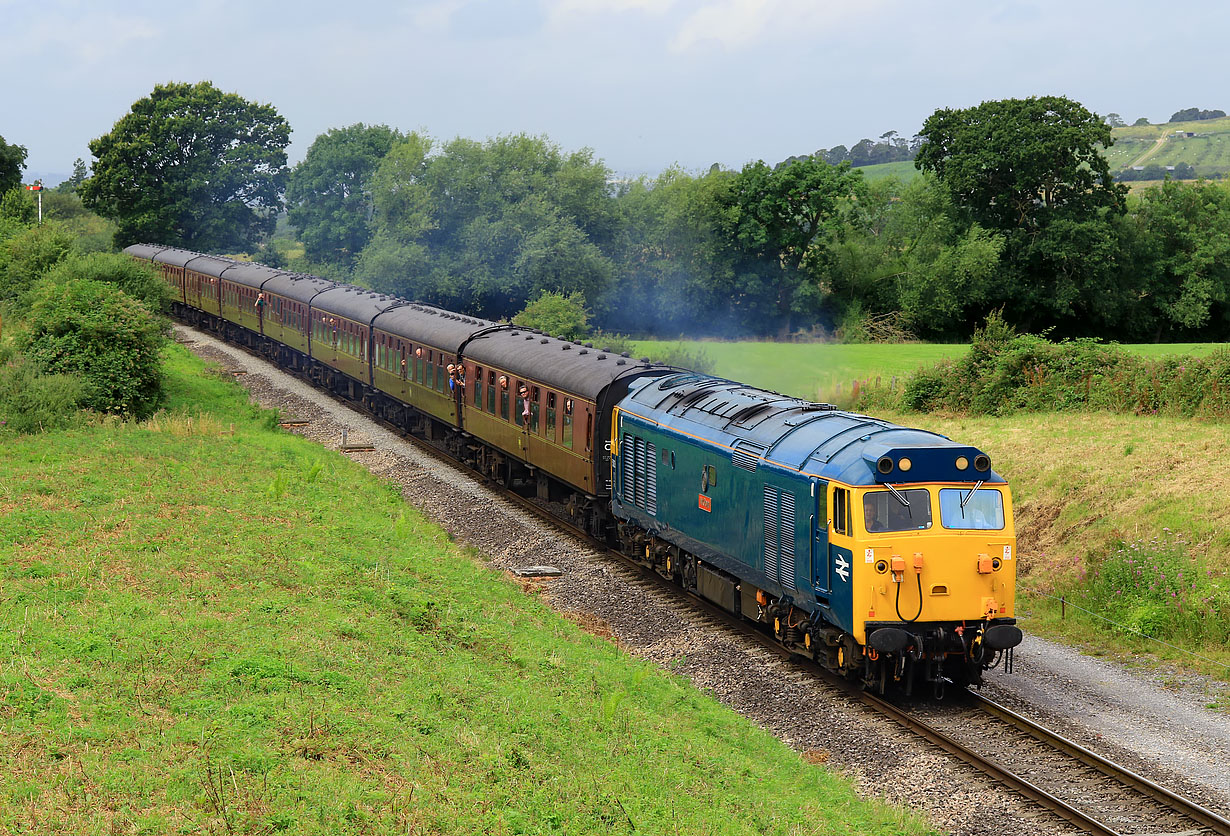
(1208, 151)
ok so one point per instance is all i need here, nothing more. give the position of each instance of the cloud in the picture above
(735, 24)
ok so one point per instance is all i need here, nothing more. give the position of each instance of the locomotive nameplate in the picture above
(705, 503)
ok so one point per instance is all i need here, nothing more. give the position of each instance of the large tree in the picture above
(789, 215)
(1033, 169)
(328, 195)
(12, 161)
(485, 227)
(193, 167)
(1015, 162)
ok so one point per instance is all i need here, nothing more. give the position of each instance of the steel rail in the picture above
(1177, 803)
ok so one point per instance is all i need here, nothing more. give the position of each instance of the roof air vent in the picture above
(624, 354)
(584, 351)
(567, 347)
(601, 356)
(589, 345)
(514, 333)
(529, 336)
(543, 341)
(620, 361)
(644, 359)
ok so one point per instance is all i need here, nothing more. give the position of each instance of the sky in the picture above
(646, 84)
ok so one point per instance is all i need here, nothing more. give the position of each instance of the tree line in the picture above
(1016, 211)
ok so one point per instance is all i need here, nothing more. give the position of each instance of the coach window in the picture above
(568, 423)
(491, 392)
(478, 386)
(589, 429)
(534, 409)
(551, 427)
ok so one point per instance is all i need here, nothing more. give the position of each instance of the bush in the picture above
(678, 354)
(98, 332)
(138, 280)
(1005, 372)
(31, 401)
(29, 254)
(1157, 588)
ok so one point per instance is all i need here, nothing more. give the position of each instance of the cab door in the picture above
(820, 562)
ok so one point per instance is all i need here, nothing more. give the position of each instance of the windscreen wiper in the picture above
(970, 494)
(900, 497)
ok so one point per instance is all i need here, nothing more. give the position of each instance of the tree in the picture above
(484, 227)
(1195, 114)
(556, 314)
(79, 175)
(1033, 170)
(12, 163)
(328, 195)
(1013, 163)
(1185, 253)
(1115, 120)
(1141, 122)
(193, 167)
(786, 216)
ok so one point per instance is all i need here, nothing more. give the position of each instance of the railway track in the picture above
(1074, 784)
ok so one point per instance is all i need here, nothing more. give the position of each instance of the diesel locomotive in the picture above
(887, 554)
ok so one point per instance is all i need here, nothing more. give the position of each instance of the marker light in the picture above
(962, 463)
(905, 465)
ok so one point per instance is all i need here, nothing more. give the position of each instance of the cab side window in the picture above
(841, 511)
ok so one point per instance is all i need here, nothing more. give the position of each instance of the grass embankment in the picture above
(209, 625)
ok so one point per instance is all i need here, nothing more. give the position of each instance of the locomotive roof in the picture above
(434, 326)
(813, 438)
(567, 366)
(354, 302)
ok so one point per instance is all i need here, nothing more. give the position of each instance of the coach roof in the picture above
(569, 367)
(354, 303)
(432, 326)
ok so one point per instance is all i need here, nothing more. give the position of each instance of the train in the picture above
(884, 553)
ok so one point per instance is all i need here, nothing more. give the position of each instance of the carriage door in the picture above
(820, 563)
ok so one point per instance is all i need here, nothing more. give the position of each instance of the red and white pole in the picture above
(38, 187)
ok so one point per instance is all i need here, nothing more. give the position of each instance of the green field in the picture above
(816, 371)
(824, 371)
(904, 171)
(212, 626)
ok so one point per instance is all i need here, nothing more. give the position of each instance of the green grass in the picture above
(811, 370)
(827, 371)
(904, 171)
(211, 626)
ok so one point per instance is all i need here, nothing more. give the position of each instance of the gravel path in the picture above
(1095, 701)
